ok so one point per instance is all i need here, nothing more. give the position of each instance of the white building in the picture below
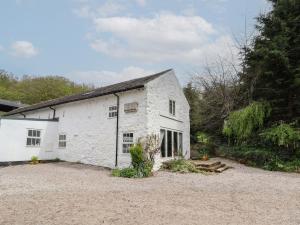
(99, 126)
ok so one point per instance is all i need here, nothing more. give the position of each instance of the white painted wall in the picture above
(13, 136)
(159, 92)
(91, 134)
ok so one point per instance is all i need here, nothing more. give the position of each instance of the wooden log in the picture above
(220, 170)
(206, 164)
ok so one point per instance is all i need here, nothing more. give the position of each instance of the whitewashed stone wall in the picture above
(91, 134)
(13, 136)
(159, 92)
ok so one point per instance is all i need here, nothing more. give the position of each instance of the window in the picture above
(131, 107)
(113, 112)
(127, 142)
(170, 143)
(33, 137)
(62, 140)
(172, 107)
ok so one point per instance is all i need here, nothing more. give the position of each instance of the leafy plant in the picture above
(180, 165)
(141, 165)
(241, 124)
(34, 160)
(126, 172)
(203, 138)
(282, 135)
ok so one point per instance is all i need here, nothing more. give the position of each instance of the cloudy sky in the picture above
(105, 41)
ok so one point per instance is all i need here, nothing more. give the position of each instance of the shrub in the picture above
(141, 165)
(260, 157)
(241, 124)
(126, 172)
(34, 160)
(282, 135)
(180, 165)
(137, 156)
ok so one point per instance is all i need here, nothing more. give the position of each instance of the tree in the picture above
(273, 62)
(220, 92)
(31, 90)
(194, 97)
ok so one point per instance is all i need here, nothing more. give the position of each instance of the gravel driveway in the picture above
(64, 193)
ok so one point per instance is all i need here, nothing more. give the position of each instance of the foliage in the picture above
(180, 165)
(141, 165)
(216, 92)
(273, 61)
(31, 90)
(260, 157)
(126, 172)
(194, 97)
(282, 135)
(241, 124)
(203, 138)
(34, 160)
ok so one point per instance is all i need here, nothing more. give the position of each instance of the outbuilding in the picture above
(98, 127)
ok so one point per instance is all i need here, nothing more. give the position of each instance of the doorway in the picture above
(170, 143)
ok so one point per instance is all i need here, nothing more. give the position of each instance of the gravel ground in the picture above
(64, 193)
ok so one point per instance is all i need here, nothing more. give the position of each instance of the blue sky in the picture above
(105, 41)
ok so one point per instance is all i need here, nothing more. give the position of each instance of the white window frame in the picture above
(112, 111)
(62, 143)
(172, 107)
(128, 142)
(34, 135)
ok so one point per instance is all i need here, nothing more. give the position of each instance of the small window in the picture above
(127, 142)
(62, 140)
(113, 111)
(33, 137)
(172, 107)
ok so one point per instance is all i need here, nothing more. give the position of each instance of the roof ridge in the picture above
(105, 90)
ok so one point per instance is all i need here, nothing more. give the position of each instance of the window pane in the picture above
(175, 143)
(38, 141)
(163, 143)
(173, 107)
(170, 106)
(34, 133)
(38, 133)
(30, 133)
(28, 142)
(169, 149)
(180, 144)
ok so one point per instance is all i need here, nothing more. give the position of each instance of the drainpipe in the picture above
(54, 111)
(117, 129)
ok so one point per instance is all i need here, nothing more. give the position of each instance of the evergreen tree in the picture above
(273, 62)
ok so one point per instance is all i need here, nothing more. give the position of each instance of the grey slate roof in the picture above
(107, 90)
(11, 103)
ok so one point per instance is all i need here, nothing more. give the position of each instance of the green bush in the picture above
(265, 158)
(180, 165)
(137, 156)
(283, 135)
(241, 124)
(34, 160)
(141, 165)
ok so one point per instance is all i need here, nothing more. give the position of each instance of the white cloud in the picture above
(109, 8)
(104, 77)
(23, 49)
(164, 37)
(141, 2)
